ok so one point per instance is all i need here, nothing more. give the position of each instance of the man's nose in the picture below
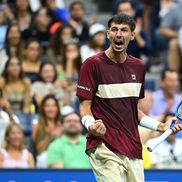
(118, 33)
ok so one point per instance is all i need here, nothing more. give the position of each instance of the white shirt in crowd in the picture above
(4, 122)
(166, 155)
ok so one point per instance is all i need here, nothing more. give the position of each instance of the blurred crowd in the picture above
(42, 46)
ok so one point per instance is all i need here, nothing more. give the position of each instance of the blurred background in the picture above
(42, 46)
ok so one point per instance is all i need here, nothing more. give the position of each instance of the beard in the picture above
(71, 134)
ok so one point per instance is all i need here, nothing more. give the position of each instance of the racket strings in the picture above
(180, 111)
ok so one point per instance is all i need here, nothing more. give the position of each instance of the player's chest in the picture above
(119, 74)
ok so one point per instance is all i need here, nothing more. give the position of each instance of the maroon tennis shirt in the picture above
(114, 89)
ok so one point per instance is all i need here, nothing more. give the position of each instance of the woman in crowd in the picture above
(15, 87)
(55, 51)
(15, 155)
(40, 28)
(23, 14)
(48, 83)
(96, 41)
(12, 45)
(47, 128)
(71, 67)
(31, 59)
(6, 116)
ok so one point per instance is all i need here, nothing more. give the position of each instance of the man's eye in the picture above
(114, 30)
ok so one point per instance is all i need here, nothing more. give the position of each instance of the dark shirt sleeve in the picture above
(87, 82)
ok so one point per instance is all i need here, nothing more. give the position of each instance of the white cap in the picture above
(95, 28)
(65, 110)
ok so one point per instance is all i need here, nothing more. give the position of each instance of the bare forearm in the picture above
(85, 107)
(140, 41)
(69, 69)
(168, 33)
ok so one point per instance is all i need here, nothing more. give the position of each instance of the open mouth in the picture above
(118, 42)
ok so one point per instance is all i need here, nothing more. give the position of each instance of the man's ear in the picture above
(132, 35)
(107, 34)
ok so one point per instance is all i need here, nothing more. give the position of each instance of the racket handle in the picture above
(161, 138)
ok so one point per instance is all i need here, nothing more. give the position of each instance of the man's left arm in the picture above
(155, 125)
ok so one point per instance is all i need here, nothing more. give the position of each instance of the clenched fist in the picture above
(98, 128)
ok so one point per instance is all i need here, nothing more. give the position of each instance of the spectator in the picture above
(71, 67)
(15, 155)
(3, 27)
(170, 26)
(31, 59)
(166, 99)
(67, 151)
(47, 83)
(96, 43)
(23, 14)
(165, 6)
(15, 87)
(12, 45)
(77, 13)
(47, 128)
(40, 28)
(55, 51)
(141, 45)
(8, 16)
(6, 117)
(168, 154)
(61, 14)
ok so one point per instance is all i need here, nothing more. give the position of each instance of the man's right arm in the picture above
(96, 127)
(168, 33)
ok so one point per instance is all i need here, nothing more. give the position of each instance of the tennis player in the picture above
(109, 88)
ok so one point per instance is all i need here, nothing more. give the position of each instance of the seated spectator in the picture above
(15, 155)
(23, 14)
(55, 51)
(31, 59)
(166, 99)
(6, 117)
(15, 87)
(168, 154)
(170, 28)
(47, 128)
(81, 27)
(141, 45)
(8, 16)
(96, 43)
(40, 28)
(165, 6)
(12, 45)
(59, 12)
(71, 67)
(47, 83)
(68, 151)
(3, 28)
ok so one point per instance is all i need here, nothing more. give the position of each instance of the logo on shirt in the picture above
(84, 88)
(133, 76)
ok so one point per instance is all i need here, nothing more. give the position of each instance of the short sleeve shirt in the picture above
(114, 89)
(62, 151)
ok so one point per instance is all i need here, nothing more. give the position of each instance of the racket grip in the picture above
(161, 138)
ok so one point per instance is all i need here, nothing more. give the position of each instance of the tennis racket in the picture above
(162, 137)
